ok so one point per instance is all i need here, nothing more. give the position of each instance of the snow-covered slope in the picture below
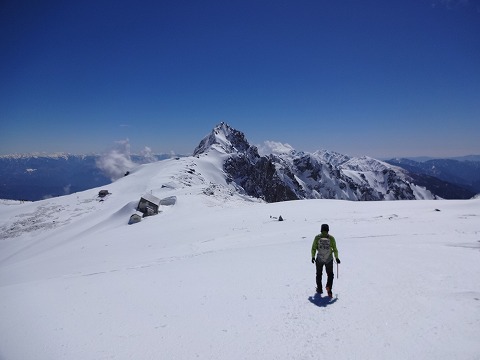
(217, 276)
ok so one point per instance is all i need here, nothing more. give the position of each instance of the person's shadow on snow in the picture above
(320, 301)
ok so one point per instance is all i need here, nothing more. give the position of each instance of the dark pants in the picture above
(329, 269)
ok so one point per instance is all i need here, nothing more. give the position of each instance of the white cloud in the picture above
(148, 155)
(116, 162)
(67, 188)
(273, 147)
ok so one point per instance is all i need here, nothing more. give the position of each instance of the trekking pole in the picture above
(337, 269)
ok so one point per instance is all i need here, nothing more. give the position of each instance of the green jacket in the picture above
(333, 245)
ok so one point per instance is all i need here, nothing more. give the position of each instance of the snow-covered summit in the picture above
(224, 139)
(331, 157)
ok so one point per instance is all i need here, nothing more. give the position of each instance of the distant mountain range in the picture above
(285, 174)
(458, 176)
(421, 159)
(35, 177)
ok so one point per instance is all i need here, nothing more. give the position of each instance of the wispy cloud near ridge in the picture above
(116, 162)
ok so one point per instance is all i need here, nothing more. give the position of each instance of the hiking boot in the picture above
(329, 291)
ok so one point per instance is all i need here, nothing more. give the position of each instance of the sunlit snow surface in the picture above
(217, 276)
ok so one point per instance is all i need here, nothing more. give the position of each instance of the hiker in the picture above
(325, 245)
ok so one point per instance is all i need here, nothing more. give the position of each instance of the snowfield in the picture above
(217, 276)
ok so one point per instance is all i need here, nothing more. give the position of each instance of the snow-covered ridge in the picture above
(178, 177)
(331, 157)
(288, 174)
(366, 163)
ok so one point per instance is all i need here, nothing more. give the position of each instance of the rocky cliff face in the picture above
(299, 175)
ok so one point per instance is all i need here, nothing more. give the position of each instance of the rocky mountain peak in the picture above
(225, 139)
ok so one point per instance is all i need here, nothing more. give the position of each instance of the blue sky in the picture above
(377, 78)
